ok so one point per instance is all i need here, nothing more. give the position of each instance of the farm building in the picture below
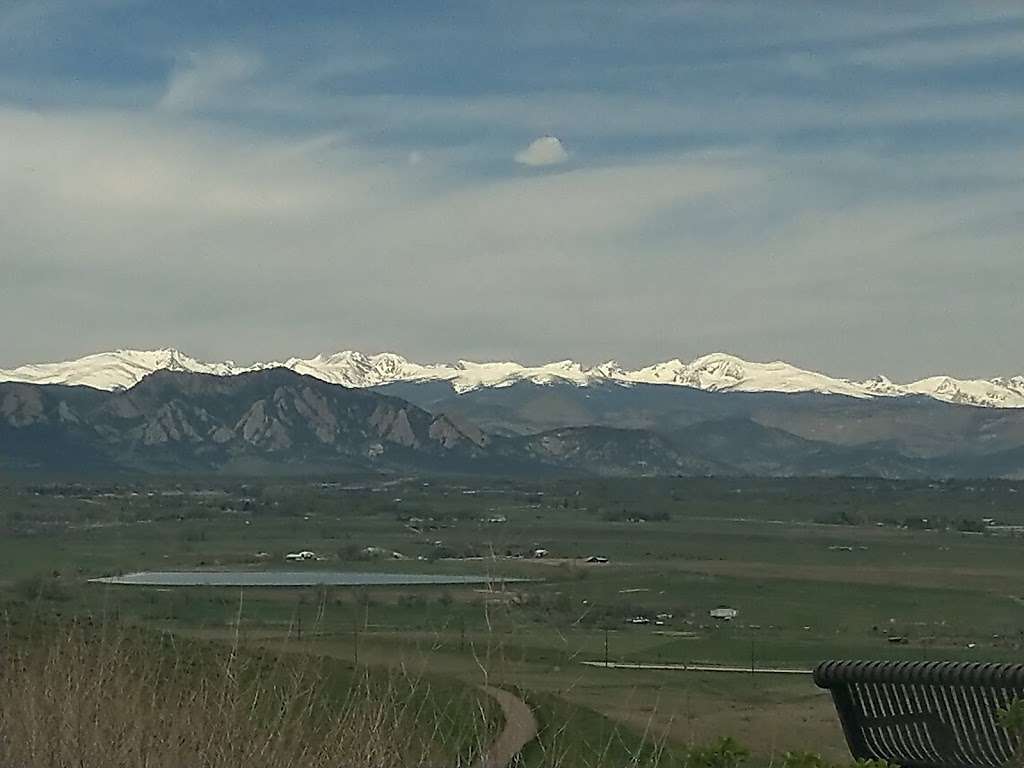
(723, 614)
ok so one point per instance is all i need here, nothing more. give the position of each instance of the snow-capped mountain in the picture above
(717, 372)
(120, 369)
(990, 393)
(724, 373)
(354, 369)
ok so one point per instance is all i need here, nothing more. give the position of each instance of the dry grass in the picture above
(106, 698)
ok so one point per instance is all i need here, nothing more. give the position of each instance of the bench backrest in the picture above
(925, 714)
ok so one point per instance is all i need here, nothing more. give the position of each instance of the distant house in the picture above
(497, 519)
(540, 553)
(381, 552)
(640, 620)
(300, 556)
(723, 614)
(597, 559)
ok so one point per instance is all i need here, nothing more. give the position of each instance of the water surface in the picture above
(293, 579)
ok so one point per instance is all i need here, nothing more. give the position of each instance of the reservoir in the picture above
(294, 579)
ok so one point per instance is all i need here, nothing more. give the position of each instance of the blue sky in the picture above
(834, 184)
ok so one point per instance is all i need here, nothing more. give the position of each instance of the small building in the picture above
(723, 614)
(597, 559)
(300, 556)
(382, 552)
(540, 553)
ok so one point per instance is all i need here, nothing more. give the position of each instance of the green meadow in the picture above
(815, 569)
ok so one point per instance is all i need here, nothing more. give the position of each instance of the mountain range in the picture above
(164, 411)
(716, 372)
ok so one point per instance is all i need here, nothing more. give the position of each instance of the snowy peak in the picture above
(120, 369)
(610, 370)
(988, 393)
(469, 375)
(717, 372)
(720, 372)
(882, 386)
(354, 369)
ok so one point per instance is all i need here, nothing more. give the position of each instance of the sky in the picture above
(838, 185)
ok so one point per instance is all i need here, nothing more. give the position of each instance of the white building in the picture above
(723, 614)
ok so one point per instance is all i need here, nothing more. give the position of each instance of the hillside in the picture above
(277, 420)
(173, 420)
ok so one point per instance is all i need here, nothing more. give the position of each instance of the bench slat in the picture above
(924, 714)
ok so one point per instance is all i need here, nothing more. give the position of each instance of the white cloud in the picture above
(289, 246)
(639, 117)
(179, 225)
(547, 150)
(203, 77)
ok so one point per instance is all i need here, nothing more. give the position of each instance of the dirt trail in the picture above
(520, 729)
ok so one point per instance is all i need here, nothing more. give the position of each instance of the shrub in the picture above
(724, 753)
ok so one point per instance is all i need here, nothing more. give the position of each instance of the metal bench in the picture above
(922, 714)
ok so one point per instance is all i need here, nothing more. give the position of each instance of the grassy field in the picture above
(816, 569)
(109, 694)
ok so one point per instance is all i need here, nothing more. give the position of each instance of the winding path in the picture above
(520, 729)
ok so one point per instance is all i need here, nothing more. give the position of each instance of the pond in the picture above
(293, 579)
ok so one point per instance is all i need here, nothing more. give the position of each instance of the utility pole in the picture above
(606, 647)
(355, 641)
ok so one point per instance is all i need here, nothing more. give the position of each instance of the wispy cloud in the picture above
(281, 244)
(203, 79)
(743, 175)
(946, 51)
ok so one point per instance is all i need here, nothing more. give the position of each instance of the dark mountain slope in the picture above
(44, 427)
(278, 420)
(609, 451)
(185, 420)
(914, 426)
(758, 450)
